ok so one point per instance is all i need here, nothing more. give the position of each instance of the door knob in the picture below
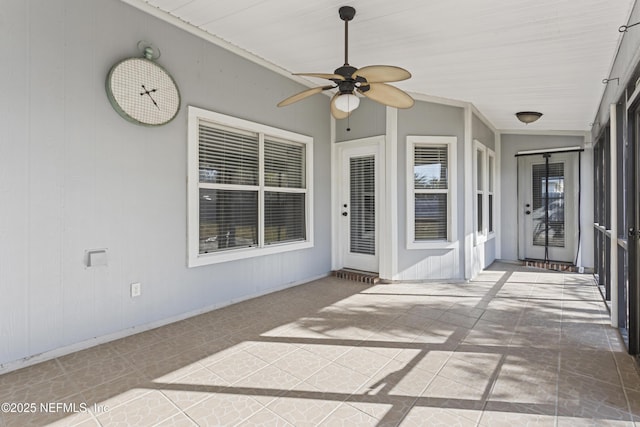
(528, 212)
(344, 214)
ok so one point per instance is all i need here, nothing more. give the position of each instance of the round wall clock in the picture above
(142, 91)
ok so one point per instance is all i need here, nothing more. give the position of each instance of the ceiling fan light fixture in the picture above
(347, 102)
(527, 117)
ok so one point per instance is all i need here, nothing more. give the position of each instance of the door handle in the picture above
(528, 212)
(344, 214)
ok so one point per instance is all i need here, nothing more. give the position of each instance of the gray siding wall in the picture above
(433, 120)
(482, 132)
(75, 176)
(369, 119)
(512, 144)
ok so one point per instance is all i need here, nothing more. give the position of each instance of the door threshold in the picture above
(562, 266)
(357, 275)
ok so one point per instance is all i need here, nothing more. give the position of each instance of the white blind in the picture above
(431, 182)
(228, 156)
(555, 207)
(284, 164)
(363, 205)
(228, 219)
(284, 217)
(284, 211)
(431, 216)
(430, 167)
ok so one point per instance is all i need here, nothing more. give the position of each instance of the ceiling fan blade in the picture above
(302, 95)
(337, 114)
(387, 95)
(382, 73)
(321, 76)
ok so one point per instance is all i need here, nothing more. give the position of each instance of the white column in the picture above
(389, 228)
(613, 145)
(468, 194)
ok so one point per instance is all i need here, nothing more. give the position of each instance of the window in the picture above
(480, 188)
(484, 177)
(249, 191)
(430, 188)
(491, 171)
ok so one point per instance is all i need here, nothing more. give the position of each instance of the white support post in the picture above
(613, 195)
(468, 194)
(389, 252)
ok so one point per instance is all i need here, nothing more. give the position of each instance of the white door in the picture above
(359, 206)
(548, 204)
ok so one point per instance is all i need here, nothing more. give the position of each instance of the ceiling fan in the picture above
(369, 81)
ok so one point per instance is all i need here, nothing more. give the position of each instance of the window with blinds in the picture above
(284, 165)
(480, 186)
(431, 192)
(490, 189)
(251, 186)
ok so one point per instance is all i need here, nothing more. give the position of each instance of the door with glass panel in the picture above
(548, 199)
(359, 210)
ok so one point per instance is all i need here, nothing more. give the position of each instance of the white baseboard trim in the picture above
(83, 345)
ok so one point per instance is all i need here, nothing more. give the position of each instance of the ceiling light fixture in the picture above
(347, 102)
(527, 117)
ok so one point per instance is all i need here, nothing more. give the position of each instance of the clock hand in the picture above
(148, 93)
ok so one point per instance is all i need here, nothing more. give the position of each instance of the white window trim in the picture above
(194, 258)
(491, 191)
(452, 235)
(480, 236)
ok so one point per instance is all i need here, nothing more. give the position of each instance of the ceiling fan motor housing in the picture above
(347, 13)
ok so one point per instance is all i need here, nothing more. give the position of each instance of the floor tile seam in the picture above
(272, 361)
(377, 370)
(8, 394)
(290, 423)
(590, 377)
(184, 409)
(80, 391)
(587, 402)
(489, 390)
(180, 412)
(620, 378)
(303, 379)
(559, 360)
(231, 384)
(148, 390)
(167, 400)
(178, 378)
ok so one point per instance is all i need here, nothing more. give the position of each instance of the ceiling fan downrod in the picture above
(346, 14)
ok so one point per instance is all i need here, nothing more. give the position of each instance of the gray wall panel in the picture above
(482, 132)
(433, 120)
(79, 177)
(369, 119)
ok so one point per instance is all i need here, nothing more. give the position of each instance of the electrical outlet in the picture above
(136, 290)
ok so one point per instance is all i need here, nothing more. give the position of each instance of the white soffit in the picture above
(503, 56)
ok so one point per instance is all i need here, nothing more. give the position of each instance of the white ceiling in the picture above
(503, 56)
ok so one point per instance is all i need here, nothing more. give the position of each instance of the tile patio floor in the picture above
(514, 347)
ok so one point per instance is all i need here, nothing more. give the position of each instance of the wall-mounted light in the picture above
(527, 117)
